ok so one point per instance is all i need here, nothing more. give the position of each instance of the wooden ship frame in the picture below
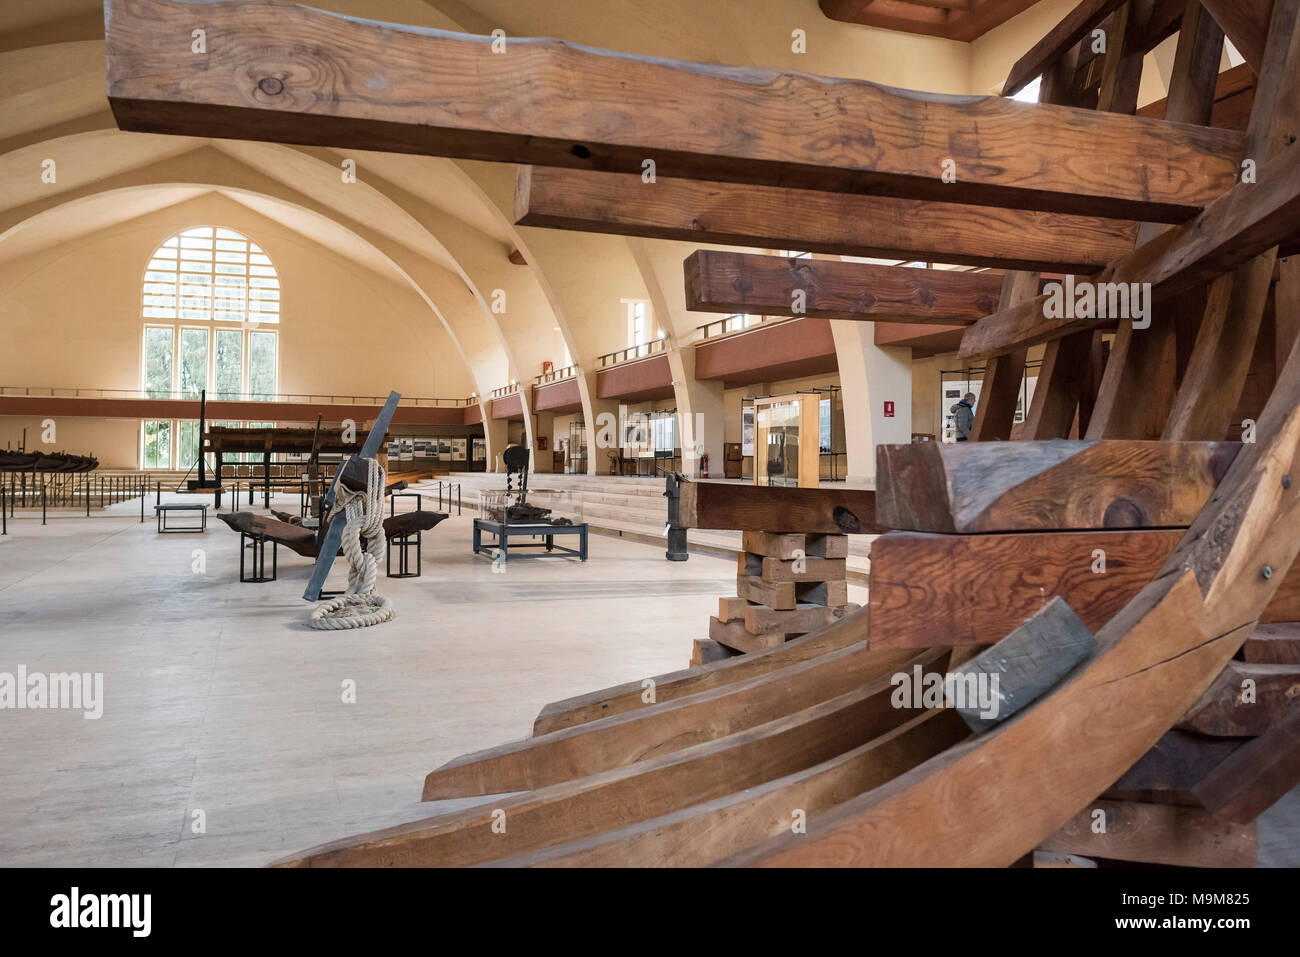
(1123, 449)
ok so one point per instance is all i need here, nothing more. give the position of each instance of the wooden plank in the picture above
(1277, 644)
(1172, 768)
(449, 94)
(772, 594)
(1247, 220)
(798, 570)
(1156, 834)
(1051, 48)
(826, 511)
(668, 726)
(842, 224)
(786, 545)
(703, 833)
(1046, 486)
(761, 620)
(1003, 374)
(734, 635)
(732, 609)
(636, 695)
(1245, 700)
(705, 651)
(727, 282)
(1246, 22)
(1025, 665)
(974, 589)
(1061, 379)
(649, 788)
(1257, 775)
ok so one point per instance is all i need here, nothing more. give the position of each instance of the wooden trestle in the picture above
(1123, 499)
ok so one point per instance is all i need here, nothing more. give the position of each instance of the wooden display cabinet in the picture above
(787, 429)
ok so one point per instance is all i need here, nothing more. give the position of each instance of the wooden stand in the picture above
(788, 584)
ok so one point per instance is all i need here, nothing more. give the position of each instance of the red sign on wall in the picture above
(889, 410)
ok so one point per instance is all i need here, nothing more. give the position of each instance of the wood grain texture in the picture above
(1157, 834)
(727, 282)
(1245, 700)
(613, 799)
(787, 545)
(1003, 374)
(1277, 644)
(761, 620)
(1051, 48)
(734, 635)
(844, 224)
(293, 74)
(657, 729)
(1257, 775)
(1056, 485)
(1172, 768)
(834, 511)
(632, 696)
(797, 570)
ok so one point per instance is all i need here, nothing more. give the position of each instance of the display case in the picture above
(786, 431)
(576, 463)
(562, 503)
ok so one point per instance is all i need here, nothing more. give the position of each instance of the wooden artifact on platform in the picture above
(823, 511)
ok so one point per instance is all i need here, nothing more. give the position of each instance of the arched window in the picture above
(208, 297)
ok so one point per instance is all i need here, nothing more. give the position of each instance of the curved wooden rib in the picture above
(700, 835)
(623, 698)
(659, 729)
(614, 799)
(1156, 658)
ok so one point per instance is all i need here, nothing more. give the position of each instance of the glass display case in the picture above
(560, 504)
(787, 430)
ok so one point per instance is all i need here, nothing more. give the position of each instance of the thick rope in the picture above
(359, 606)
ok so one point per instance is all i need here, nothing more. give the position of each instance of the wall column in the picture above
(701, 414)
(604, 429)
(544, 427)
(870, 376)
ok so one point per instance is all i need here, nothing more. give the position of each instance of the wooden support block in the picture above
(705, 651)
(777, 570)
(1168, 773)
(732, 609)
(974, 589)
(1025, 665)
(784, 595)
(1245, 700)
(787, 545)
(1047, 486)
(1274, 644)
(827, 511)
(1156, 834)
(795, 621)
(733, 635)
(1257, 775)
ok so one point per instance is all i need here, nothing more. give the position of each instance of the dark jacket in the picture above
(965, 416)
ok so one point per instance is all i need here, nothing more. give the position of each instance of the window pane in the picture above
(261, 364)
(157, 362)
(187, 445)
(230, 364)
(194, 362)
(157, 444)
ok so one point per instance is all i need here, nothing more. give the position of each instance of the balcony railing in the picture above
(731, 325)
(555, 375)
(632, 353)
(305, 398)
(505, 390)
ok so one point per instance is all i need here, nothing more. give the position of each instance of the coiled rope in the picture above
(359, 606)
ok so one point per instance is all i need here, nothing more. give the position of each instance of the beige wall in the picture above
(71, 318)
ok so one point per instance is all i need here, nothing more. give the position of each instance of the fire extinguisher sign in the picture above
(889, 410)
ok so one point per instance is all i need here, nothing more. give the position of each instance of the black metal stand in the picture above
(403, 545)
(256, 545)
(676, 533)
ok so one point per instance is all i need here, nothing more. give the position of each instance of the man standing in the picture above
(964, 414)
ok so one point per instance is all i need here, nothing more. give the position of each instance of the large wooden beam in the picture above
(974, 589)
(1257, 774)
(1248, 220)
(1046, 486)
(1246, 24)
(771, 217)
(294, 74)
(826, 511)
(1157, 834)
(1051, 48)
(728, 282)
(1244, 701)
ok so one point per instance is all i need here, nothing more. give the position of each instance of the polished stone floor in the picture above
(219, 699)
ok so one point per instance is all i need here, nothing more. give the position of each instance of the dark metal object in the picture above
(162, 511)
(256, 544)
(504, 531)
(403, 545)
(676, 533)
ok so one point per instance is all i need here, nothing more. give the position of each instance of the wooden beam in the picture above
(1257, 775)
(1051, 48)
(632, 696)
(1156, 834)
(828, 511)
(1277, 644)
(974, 589)
(1172, 768)
(780, 218)
(1246, 24)
(1246, 221)
(727, 282)
(1046, 486)
(1244, 701)
(293, 74)
(1003, 374)
(1061, 380)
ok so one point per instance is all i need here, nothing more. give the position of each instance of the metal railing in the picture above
(79, 490)
(556, 375)
(732, 325)
(306, 398)
(632, 353)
